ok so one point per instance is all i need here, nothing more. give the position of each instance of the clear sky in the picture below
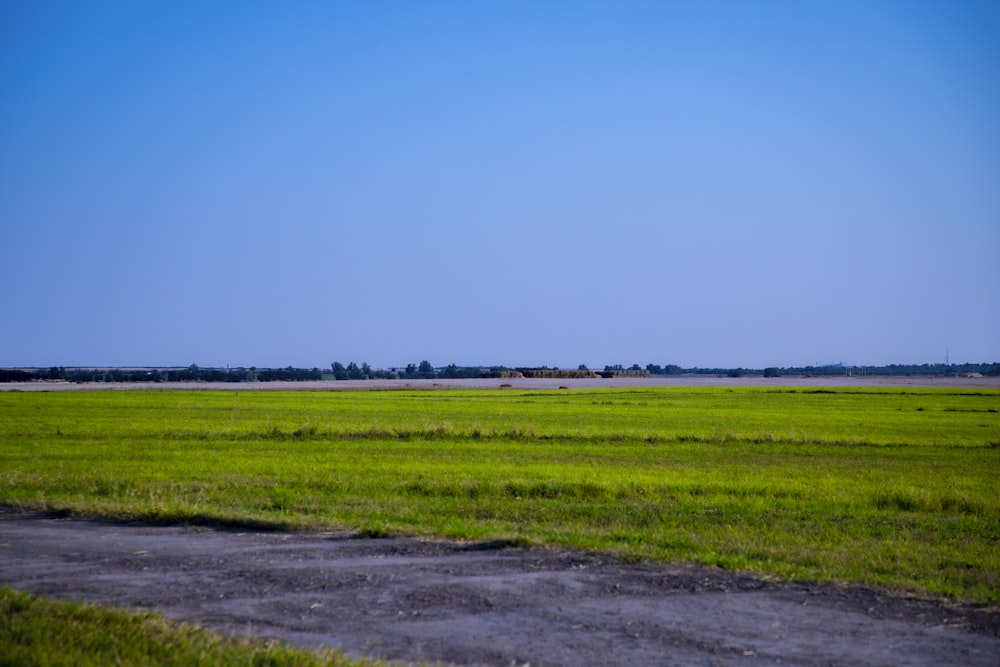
(711, 184)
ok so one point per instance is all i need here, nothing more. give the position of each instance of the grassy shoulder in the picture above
(885, 487)
(36, 631)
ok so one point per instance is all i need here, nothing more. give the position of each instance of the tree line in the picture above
(192, 373)
(422, 371)
(426, 371)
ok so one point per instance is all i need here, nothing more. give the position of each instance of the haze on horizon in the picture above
(710, 184)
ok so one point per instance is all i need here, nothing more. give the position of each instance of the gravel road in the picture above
(471, 604)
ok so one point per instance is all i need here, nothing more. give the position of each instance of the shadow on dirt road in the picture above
(412, 600)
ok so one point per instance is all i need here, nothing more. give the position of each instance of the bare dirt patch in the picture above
(411, 600)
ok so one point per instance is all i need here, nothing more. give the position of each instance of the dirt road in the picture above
(412, 600)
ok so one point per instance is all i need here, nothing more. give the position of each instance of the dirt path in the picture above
(413, 600)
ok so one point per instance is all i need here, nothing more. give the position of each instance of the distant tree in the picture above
(582, 367)
(451, 371)
(366, 370)
(425, 367)
(339, 372)
(654, 369)
(772, 372)
(411, 370)
(635, 367)
(353, 371)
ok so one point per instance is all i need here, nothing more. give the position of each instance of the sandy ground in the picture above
(527, 383)
(410, 600)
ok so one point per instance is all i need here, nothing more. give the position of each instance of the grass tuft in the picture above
(35, 631)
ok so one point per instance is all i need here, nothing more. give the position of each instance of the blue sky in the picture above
(523, 183)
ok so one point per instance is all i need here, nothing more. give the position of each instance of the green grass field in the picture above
(888, 487)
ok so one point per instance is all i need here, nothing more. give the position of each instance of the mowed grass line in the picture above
(878, 486)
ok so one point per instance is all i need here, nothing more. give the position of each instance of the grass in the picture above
(39, 632)
(877, 486)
